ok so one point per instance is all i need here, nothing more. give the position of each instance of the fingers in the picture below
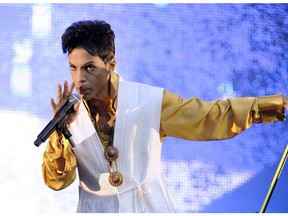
(53, 105)
(67, 91)
(52, 102)
(59, 93)
(62, 95)
(71, 88)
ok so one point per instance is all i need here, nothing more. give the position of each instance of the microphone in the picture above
(58, 119)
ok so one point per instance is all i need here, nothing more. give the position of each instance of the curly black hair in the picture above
(96, 37)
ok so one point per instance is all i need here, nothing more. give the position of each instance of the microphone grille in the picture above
(75, 98)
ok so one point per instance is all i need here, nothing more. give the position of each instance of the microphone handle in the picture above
(47, 131)
(54, 124)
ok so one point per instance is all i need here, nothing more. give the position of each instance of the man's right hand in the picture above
(62, 97)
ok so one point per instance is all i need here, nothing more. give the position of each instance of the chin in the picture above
(87, 97)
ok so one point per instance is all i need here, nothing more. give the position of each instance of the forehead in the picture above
(80, 56)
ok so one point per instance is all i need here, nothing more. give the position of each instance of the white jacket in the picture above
(137, 138)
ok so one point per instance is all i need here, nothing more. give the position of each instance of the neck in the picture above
(98, 105)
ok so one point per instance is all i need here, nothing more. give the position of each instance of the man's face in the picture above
(90, 74)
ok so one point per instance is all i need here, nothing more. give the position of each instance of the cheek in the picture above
(97, 80)
(101, 76)
(100, 81)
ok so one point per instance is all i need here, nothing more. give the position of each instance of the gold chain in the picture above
(105, 134)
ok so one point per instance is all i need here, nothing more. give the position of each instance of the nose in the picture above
(80, 76)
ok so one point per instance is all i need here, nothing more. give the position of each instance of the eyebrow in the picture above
(87, 63)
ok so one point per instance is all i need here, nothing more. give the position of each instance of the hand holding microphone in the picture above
(65, 110)
(61, 100)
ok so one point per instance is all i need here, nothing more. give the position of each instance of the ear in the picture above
(113, 64)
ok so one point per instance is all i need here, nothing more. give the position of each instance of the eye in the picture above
(72, 68)
(90, 68)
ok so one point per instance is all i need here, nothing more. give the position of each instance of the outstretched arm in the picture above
(195, 119)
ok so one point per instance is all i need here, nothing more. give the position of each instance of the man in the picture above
(120, 126)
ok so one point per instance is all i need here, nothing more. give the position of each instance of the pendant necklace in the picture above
(111, 153)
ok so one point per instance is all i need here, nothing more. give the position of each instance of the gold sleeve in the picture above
(271, 108)
(195, 119)
(53, 177)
